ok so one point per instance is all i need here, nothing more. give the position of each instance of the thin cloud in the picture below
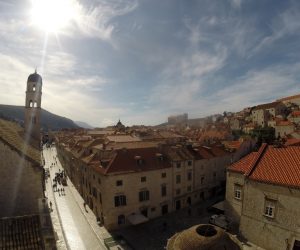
(283, 25)
(95, 21)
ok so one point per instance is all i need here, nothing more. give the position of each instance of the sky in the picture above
(143, 60)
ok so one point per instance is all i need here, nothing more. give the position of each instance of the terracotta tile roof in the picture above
(218, 151)
(233, 144)
(201, 153)
(23, 232)
(244, 164)
(292, 142)
(126, 160)
(295, 113)
(13, 135)
(284, 123)
(122, 138)
(279, 166)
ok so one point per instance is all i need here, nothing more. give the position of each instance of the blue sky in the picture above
(142, 61)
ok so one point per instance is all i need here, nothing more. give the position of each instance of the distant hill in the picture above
(83, 125)
(48, 120)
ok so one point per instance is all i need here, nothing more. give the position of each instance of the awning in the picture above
(135, 219)
(219, 205)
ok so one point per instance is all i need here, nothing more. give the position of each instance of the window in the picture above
(143, 179)
(237, 191)
(119, 183)
(121, 219)
(93, 176)
(163, 175)
(120, 200)
(178, 165)
(190, 163)
(270, 208)
(202, 180)
(189, 188)
(189, 176)
(144, 195)
(178, 179)
(163, 190)
(178, 191)
(99, 181)
(94, 192)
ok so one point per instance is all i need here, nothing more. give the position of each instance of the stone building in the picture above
(261, 114)
(33, 106)
(284, 128)
(263, 197)
(210, 170)
(131, 182)
(21, 172)
(24, 207)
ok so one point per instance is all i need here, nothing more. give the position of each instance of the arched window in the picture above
(121, 219)
(35, 104)
(33, 88)
(30, 103)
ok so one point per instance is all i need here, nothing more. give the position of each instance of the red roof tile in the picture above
(244, 164)
(279, 166)
(125, 161)
(292, 142)
(284, 123)
(296, 113)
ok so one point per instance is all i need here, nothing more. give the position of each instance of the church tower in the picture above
(33, 106)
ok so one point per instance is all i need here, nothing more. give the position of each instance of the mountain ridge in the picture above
(48, 120)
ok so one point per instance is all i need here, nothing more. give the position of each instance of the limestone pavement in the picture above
(76, 227)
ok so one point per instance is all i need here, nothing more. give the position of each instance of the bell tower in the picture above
(33, 106)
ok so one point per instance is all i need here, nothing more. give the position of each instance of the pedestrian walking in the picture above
(50, 203)
(59, 191)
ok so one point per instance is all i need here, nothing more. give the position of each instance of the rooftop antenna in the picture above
(35, 71)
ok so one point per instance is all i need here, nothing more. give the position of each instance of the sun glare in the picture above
(52, 15)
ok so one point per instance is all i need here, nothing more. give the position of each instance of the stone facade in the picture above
(263, 197)
(107, 177)
(272, 233)
(21, 184)
(261, 114)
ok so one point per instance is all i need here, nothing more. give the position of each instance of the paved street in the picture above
(75, 231)
(76, 228)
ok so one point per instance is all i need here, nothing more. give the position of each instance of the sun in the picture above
(53, 15)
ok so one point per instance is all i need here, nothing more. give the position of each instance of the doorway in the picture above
(189, 201)
(164, 209)
(296, 245)
(178, 204)
(144, 212)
